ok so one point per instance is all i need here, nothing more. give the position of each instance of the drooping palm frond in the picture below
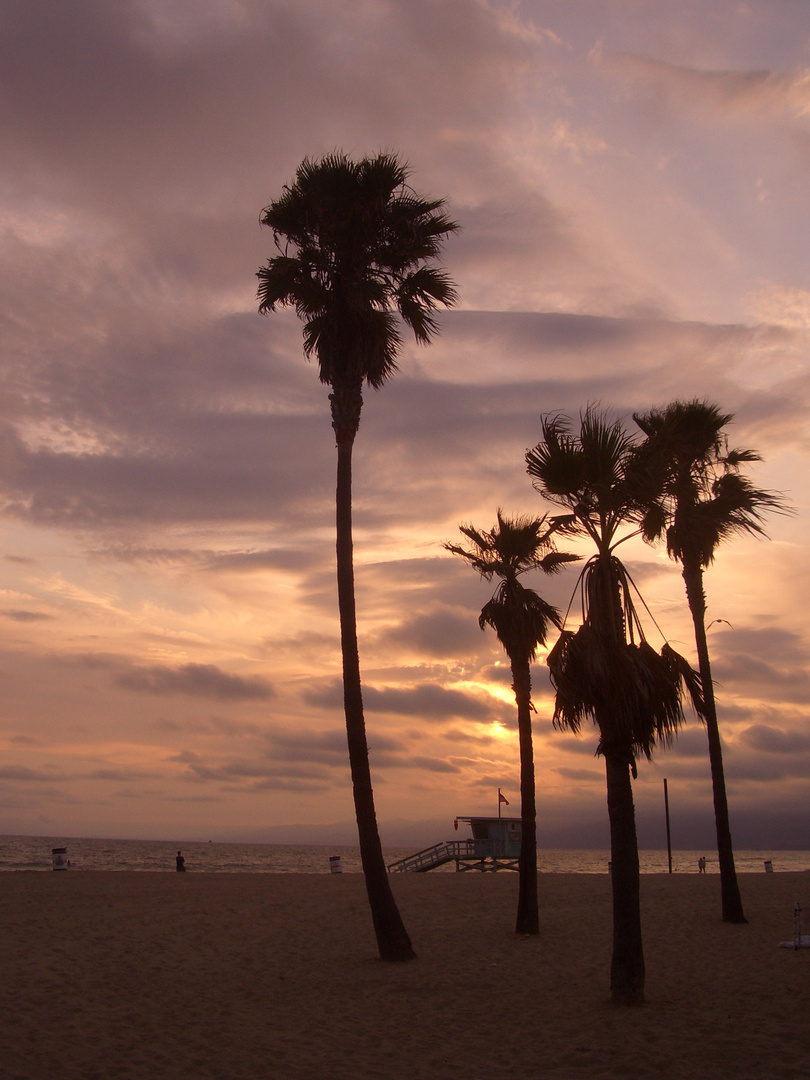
(418, 295)
(691, 684)
(520, 618)
(607, 671)
(627, 690)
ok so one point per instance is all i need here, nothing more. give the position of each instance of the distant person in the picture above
(181, 863)
(702, 864)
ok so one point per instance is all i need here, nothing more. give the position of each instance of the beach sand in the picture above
(146, 976)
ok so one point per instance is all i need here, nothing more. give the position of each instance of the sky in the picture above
(629, 177)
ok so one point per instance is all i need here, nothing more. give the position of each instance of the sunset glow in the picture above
(630, 182)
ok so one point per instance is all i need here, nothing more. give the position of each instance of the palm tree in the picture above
(520, 619)
(696, 498)
(357, 251)
(606, 671)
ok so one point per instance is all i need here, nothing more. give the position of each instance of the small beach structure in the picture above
(494, 845)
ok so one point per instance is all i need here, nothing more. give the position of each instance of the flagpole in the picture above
(666, 812)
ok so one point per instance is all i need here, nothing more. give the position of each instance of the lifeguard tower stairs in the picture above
(494, 845)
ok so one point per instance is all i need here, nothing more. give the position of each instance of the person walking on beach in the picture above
(181, 863)
(702, 864)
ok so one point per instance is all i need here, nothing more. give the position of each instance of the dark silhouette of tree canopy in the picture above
(357, 251)
(520, 619)
(606, 671)
(696, 497)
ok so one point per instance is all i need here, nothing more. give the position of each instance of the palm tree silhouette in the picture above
(357, 251)
(606, 671)
(696, 499)
(520, 619)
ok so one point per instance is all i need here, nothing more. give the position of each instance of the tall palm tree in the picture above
(520, 619)
(696, 498)
(606, 671)
(357, 253)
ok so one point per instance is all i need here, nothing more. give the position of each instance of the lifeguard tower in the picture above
(494, 845)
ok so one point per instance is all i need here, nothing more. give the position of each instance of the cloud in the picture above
(436, 633)
(762, 658)
(731, 93)
(197, 680)
(286, 558)
(588, 775)
(458, 736)
(17, 773)
(321, 747)
(427, 700)
(691, 742)
(212, 725)
(780, 305)
(257, 777)
(765, 770)
(127, 776)
(429, 764)
(20, 615)
(773, 740)
(498, 673)
(775, 644)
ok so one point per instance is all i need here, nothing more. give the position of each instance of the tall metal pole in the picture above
(666, 811)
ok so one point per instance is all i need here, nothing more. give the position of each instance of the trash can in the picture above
(768, 866)
(60, 859)
(334, 864)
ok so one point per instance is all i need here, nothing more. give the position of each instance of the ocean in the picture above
(35, 853)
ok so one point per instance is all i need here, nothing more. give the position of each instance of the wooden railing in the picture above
(431, 857)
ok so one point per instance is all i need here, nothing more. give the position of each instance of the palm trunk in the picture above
(627, 965)
(730, 890)
(392, 937)
(528, 921)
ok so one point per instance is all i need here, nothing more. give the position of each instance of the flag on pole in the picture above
(502, 798)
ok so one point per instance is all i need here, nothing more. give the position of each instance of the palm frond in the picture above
(690, 679)
(654, 521)
(518, 615)
(633, 694)
(357, 249)
(556, 560)
(691, 484)
(520, 618)
(556, 463)
(585, 472)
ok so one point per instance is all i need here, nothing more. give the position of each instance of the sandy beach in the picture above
(146, 976)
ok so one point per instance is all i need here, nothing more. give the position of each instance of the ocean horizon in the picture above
(35, 853)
